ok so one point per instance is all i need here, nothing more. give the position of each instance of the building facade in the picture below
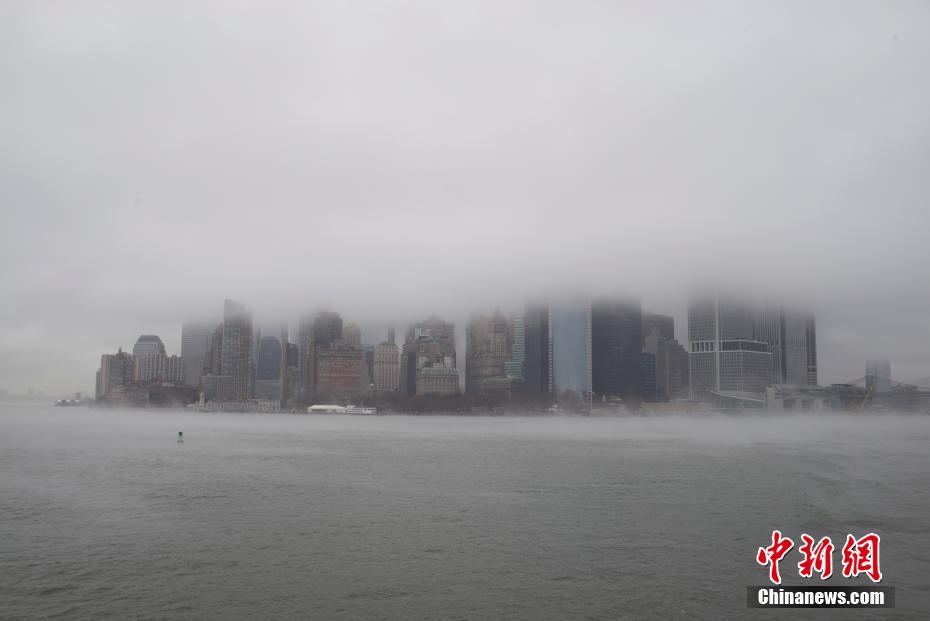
(725, 355)
(617, 341)
(237, 354)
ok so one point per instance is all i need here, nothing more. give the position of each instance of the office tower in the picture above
(269, 359)
(195, 349)
(878, 375)
(786, 332)
(617, 341)
(116, 371)
(537, 348)
(268, 368)
(665, 324)
(428, 359)
(515, 367)
(327, 327)
(387, 367)
(352, 335)
(236, 384)
(368, 353)
(677, 370)
(390, 338)
(811, 339)
(338, 372)
(213, 364)
(725, 357)
(570, 329)
(145, 355)
(290, 373)
(647, 389)
(657, 346)
(304, 338)
(487, 351)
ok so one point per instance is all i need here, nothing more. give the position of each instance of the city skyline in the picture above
(445, 166)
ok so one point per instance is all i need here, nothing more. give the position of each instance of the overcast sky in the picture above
(396, 159)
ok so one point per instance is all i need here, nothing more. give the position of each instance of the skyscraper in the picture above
(146, 356)
(786, 332)
(537, 348)
(116, 371)
(811, 340)
(195, 348)
(617, 341)
(725, 357)
(387, 367)
(570, 331)
(428, 359)
(657, 346)
(487, 351)
(237, 353)
(515, 367)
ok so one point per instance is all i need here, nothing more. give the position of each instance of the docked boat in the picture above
(340, 409)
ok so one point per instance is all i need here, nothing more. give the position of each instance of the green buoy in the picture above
(180, 437)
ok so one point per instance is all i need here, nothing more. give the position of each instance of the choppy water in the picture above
(104, 515)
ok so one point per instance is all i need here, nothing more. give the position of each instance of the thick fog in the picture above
(396, 160)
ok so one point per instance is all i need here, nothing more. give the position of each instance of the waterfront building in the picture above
(290, 373)
(537, 348)
(337, 372)
(116, 370)
(811, 339)
(269, 359)
(237, 354)
(515, 366)
(725, 355)
(304, 338)
(195, 350)
(386, 367)
(786, 332)
(677, 370)
(146, 356)
(429, 344)
(617, 341)
(657, 346)
(487, 351)
(570, 329)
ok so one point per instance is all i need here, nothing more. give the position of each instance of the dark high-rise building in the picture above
(269, 359)
(290, 356)
(537, 342)
(327, 327)
(237, 353)
(617, 341)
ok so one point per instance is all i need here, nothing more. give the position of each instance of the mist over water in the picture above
(104, 514)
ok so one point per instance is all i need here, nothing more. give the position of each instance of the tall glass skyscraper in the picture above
(570, 329)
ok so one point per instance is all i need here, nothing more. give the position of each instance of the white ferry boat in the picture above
(339, 409)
